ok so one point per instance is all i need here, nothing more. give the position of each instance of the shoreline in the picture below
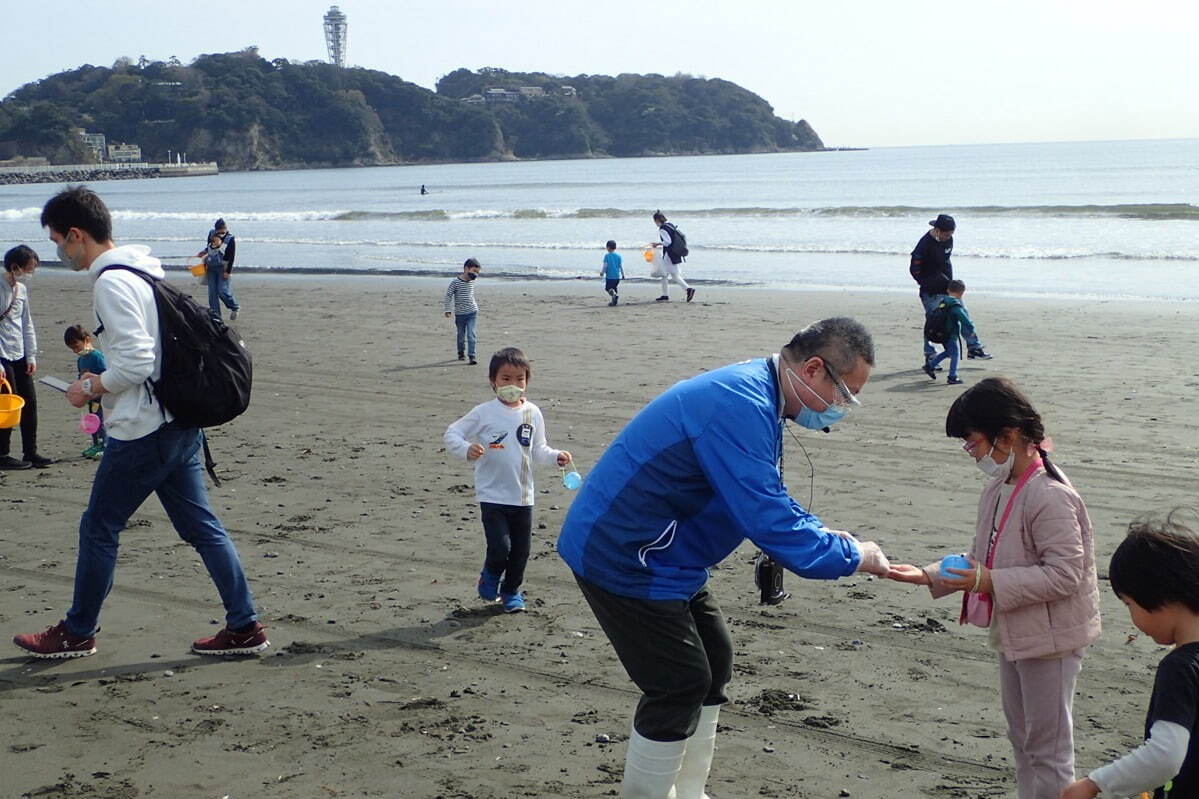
(512, 278)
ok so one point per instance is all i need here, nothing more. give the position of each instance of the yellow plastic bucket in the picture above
(198, 269)
(10, 406)
(649, 256)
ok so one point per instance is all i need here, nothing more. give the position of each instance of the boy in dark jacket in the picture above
(957, 324)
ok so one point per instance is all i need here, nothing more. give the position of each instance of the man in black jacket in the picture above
(932, 269)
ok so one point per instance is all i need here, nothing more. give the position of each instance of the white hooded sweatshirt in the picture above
(123, 304)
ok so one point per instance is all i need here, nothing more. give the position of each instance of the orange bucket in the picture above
(10, 406)
(198, 269)
(649, 256)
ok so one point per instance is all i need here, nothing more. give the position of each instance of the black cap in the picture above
(944, 222)
(220, 223)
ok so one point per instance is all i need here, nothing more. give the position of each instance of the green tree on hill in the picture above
(246, 112)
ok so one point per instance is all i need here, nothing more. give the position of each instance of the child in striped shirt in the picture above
(460, 298)
(504, 438)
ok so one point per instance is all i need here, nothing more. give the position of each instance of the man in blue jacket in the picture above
(689, 478)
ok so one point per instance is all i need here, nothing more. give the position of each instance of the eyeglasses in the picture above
(845, 397)
(968, 447)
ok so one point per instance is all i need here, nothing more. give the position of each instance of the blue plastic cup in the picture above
(572, 480)
(953, 562)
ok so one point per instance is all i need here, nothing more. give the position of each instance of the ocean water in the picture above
(1093, 219)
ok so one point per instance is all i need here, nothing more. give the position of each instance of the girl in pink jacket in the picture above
(1031, 580)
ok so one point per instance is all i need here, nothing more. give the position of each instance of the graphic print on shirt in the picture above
(524, 434)
(498, 441)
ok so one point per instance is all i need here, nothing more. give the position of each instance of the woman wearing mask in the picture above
(18, 348)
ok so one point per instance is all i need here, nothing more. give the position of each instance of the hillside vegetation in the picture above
(246, 112)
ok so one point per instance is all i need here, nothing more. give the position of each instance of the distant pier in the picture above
(77, 173)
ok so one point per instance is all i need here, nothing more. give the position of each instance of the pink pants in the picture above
(1038, 696)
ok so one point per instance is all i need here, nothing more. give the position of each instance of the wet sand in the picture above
(386, 677)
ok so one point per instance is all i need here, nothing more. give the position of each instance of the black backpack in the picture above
(678, 243)
(936, 324)
(206, 368)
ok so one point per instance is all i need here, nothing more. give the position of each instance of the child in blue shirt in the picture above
(612, 272)
(957, 324)
(89, 360)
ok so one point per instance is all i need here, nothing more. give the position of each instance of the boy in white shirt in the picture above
(512, 435)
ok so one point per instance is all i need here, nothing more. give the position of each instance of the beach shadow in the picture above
(424, 636)
(28, 672)
(433, 365)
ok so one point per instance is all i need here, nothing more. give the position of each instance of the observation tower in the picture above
(335, 36)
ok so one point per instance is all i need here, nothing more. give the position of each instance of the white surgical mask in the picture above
(992, 469)
(65, 259)
(509, 393)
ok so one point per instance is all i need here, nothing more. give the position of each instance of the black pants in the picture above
(611, 284)
(677, 651)
(22, 384)
(509, 531)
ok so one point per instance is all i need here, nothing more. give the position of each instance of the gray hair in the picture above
(840, 341)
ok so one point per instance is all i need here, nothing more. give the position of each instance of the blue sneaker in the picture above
(514, 603)
(489, 586)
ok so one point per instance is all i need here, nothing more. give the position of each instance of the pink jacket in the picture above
(1045, 593)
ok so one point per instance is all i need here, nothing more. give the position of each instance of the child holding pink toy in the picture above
(1031, 580)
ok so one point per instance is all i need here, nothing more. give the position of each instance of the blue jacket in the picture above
(689, 478)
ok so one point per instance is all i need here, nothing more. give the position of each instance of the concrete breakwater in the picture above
(78, 173)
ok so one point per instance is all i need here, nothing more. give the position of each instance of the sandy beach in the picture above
(386, 676)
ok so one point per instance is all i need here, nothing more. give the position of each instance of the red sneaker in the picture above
(229, 642)
(56, 642)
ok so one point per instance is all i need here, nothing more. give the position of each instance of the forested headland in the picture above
(246, 112)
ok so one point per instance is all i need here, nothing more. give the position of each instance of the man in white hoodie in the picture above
(147, 452)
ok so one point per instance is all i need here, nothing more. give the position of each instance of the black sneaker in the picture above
(978, 354)
(930, 371)
(11, 463)
(953, 380)
(462, 356)
(38, 462)
(663, 298)
(473, 362)
(690, 294)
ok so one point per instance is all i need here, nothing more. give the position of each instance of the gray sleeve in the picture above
(1150, 765)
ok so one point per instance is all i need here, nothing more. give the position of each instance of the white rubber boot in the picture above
(697, 759)
(650, 767)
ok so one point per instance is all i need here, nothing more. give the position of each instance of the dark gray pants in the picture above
(677, 651)
(22, 385)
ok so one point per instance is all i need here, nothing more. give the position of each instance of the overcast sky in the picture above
(863, 73)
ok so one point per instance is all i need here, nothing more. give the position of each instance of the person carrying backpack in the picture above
(944, 324)
(150, 448)
(674, 249)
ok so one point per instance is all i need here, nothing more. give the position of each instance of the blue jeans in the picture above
(218, 292)
(929, 301)
(466, 331)
(951, 352)
(166, 462)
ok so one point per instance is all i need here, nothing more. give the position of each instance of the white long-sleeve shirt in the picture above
(123, 304)
(513, 440)
(18, 339)
(1151, 764)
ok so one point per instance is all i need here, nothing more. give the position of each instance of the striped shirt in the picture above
(460, 297)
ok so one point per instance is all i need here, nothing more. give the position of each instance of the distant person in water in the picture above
(423, 190)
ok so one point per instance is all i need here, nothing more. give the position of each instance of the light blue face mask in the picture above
(811, 419)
